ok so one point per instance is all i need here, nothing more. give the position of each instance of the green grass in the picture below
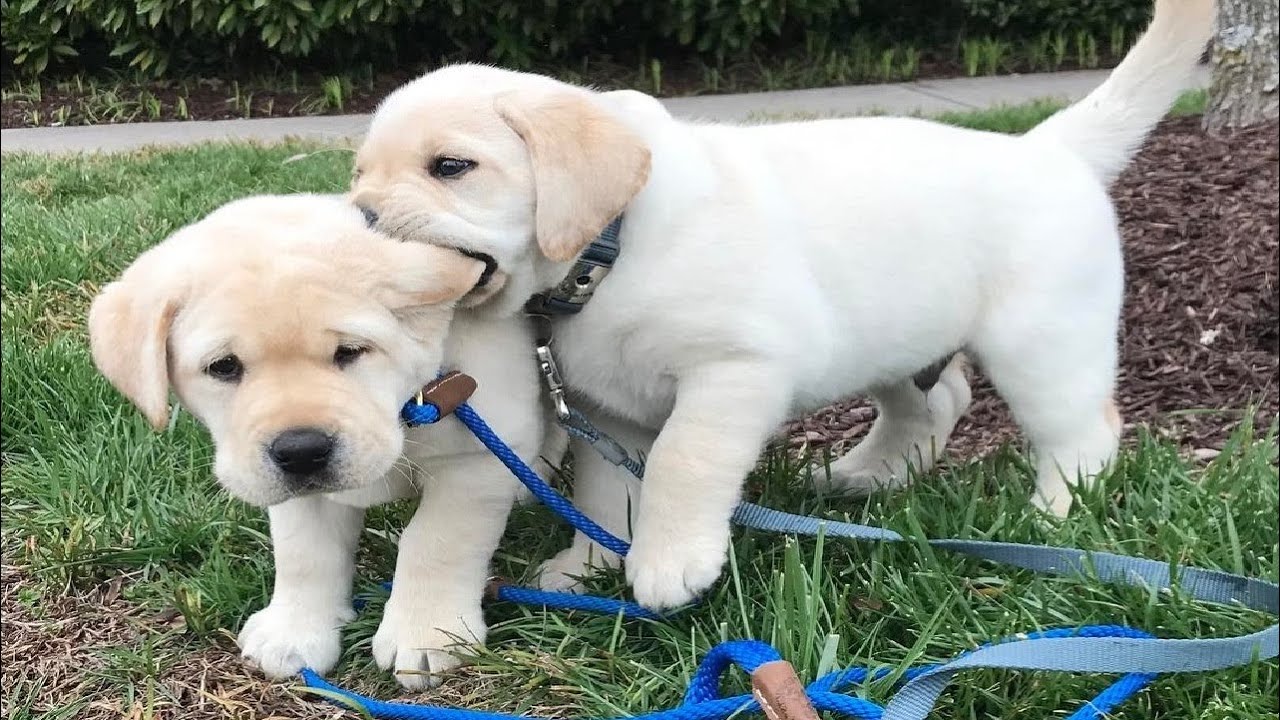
(90, 493)
(1000, 118)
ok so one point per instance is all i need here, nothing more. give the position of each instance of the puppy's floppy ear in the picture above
(408, 274)
(129, 326)
(586, 165)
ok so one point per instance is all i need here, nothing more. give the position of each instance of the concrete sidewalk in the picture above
(929, 97)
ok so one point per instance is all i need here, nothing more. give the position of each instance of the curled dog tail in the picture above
(1109, 124)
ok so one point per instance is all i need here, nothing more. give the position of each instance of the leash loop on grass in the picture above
(703, 701)
(1138, 656)
(571, 601)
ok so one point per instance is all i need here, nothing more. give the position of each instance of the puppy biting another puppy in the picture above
(767, 271)
(294, 333)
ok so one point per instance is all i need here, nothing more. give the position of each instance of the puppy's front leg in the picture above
(723, 414)
(314, 541)
(442, 568)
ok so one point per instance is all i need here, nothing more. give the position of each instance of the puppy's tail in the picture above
(1107, 126)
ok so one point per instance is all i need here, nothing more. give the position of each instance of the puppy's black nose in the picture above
(370, 217)
(301, 451)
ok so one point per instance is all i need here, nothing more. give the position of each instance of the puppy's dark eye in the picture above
(446, 167)
(347, 354)
(227, 369)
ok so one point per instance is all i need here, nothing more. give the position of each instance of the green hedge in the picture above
(157, 35)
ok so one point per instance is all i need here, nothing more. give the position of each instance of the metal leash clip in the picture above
(555, 386)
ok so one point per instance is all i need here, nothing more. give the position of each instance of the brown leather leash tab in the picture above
(780, 693)
(448, 391)
(492, 586)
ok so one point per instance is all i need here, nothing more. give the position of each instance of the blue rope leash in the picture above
(572, 601)
(703, 701)
(1138, 656)
(546, 495)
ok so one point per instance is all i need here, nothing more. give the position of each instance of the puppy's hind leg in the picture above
(916, 417)
(1058, 377)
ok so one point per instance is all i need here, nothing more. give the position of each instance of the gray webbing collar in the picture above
(567, 298)
(591, 267)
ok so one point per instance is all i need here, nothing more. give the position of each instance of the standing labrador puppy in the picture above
(766, 271)
(294, 334)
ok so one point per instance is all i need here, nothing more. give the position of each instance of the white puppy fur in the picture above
(332, 327)
(766, 271)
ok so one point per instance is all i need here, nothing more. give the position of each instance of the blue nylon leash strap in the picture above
(1077, 654)
(1139, 657)
(703, 701)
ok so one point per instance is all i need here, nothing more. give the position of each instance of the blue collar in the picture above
(573, 292)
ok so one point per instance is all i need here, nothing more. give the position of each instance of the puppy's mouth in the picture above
(324, 481)
(490, 266)
(371, 218)
(491, 281)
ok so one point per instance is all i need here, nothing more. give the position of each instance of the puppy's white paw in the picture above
(669, 569)
(887, 473)
(564, 572)
(1057, 504)
(283, 639)
(415, 637)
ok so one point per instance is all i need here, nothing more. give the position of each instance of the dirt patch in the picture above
(1200, 218)
(65, 104)
(60, 651)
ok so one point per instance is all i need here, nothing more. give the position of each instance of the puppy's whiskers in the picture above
(419, 475)
(423, 444)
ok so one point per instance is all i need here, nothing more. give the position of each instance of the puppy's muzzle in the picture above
(490, 265)
(301, 454)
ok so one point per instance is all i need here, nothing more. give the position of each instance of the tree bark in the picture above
(1246, 71)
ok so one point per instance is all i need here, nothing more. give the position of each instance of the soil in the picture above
(121, 101)
(1199, 218)
(199, 99)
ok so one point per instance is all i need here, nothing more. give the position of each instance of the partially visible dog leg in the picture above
(724, 412)
(607, 494)
(551, 456)
(314, 542)
(442, 567)
(916, 417)
(1058, 379)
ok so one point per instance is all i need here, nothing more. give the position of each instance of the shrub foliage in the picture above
(154, 36)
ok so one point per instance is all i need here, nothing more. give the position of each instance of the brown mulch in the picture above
(198, 99)
(1199, 217)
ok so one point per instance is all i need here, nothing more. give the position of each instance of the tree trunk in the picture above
(1246, 72)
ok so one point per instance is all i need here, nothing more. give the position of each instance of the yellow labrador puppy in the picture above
(766, 271)
(295, 333)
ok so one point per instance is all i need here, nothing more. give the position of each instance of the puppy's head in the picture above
(292, 331)
(516, 166)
